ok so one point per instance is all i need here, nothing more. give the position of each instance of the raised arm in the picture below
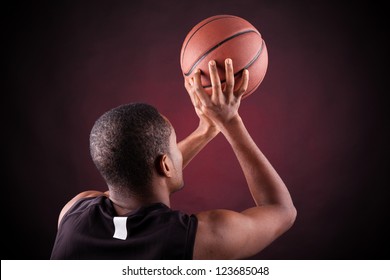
(224, 234)
(197, 140)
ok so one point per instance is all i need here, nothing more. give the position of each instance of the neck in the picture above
(124, 204)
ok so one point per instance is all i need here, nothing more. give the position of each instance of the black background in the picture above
(319, 115)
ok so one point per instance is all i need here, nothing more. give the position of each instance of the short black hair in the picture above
(125, 143)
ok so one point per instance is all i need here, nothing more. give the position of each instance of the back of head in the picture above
(125, 143)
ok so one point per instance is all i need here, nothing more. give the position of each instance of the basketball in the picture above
(220, 37)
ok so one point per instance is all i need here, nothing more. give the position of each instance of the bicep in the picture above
(70, 203)
(224, 234)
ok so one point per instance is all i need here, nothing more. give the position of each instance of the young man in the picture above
(134, 148)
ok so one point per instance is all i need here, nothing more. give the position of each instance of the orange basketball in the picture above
(220, 37)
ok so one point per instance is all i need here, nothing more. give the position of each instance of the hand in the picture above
(205, 124)
(222, 106)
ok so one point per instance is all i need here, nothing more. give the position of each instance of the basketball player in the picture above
(134, 147)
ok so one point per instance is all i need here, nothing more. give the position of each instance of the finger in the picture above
(191, 81)
(197, 102)
(215, 82)
(190, 90)
(199, 90)
(244, 84)
(229, 73)
(187, 84)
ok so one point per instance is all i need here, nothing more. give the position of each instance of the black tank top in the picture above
(92, 230)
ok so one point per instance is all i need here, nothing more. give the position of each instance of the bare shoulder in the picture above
(225, 234)
(81, 195)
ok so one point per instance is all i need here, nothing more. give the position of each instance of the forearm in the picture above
(195, 142)
(264, 183)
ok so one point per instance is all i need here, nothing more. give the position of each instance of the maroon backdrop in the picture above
(318, 115)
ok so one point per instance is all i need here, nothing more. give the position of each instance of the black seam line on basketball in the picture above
(246, 66)
(189, 39)
(215, 47)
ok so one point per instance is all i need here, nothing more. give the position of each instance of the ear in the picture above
(164, 166)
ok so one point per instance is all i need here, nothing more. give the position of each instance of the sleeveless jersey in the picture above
(92, 230)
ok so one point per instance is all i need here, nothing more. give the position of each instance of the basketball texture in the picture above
(220, 37)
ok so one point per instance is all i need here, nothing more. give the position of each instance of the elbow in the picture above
(288, 216)
(291, 216)
(294, 215)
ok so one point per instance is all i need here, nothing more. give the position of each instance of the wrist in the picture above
(207, 129)
(231, 124)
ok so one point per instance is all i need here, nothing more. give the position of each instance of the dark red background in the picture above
(319, 115)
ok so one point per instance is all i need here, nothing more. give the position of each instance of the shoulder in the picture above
(77, 198)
